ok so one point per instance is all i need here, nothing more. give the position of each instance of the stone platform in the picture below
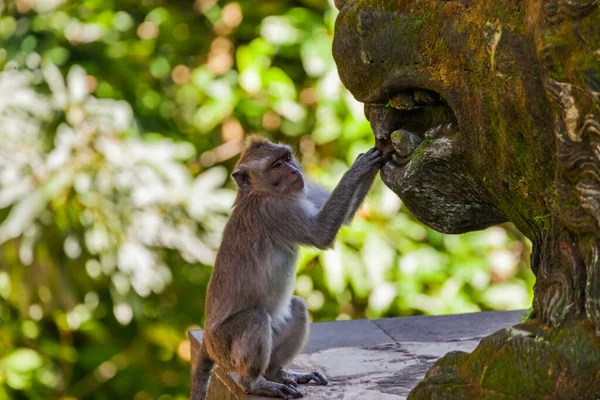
(374, 359)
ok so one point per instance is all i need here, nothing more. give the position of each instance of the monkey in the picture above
(254, 326)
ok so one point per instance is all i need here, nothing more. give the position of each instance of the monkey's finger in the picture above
(319, 378)
(358, 157)
(373, 154)
(289, 382)
(290, 391)
(376, 161)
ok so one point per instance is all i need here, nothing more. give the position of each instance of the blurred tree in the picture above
(113, 188)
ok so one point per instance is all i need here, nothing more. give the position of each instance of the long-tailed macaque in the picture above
(254, 326)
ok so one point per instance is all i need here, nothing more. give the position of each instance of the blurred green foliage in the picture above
(113, 188)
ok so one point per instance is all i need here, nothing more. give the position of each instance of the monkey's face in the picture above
(282, 174)
(268, 169)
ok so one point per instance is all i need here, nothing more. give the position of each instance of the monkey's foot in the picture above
(294, 378)
(263, 387)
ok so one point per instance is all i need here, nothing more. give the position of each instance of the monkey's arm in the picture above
(320, 230)
(318, 195)
(359, 195)
(365, 185)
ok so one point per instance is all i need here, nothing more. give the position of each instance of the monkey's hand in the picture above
(292, 378)
(366, 163)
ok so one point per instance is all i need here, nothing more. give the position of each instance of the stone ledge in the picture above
(374, 359)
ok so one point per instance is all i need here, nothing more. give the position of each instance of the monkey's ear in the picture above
(241, 178)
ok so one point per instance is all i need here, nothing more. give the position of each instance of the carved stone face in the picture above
(493, 109)
(458, 88)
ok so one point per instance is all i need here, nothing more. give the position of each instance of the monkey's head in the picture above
(267, 168)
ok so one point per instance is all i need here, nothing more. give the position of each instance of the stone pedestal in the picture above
(492, 109)
(375, 359)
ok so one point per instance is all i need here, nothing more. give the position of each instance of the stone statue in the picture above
(493, 109)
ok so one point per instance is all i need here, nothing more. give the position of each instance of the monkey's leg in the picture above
(245, 344)
(288, 340)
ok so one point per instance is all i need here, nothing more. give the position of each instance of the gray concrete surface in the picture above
(374, 359)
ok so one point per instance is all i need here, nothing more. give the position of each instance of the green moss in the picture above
(440, 46)
(421, 149)
(543, 221)
(526, 314)
(510, 371)
(513, 19)
(581, 349)
(560, 362)
(571, 49)
(589, 28)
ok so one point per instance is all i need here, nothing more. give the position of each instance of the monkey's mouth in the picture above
(298, 183)
(411, 118)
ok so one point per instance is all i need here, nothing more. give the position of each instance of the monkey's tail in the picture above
(201, 374)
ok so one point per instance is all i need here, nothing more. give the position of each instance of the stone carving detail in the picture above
(578, 186)
(558, 11)
(578, 146)
(493, 109)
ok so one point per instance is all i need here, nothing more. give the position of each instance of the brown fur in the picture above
(254, 326)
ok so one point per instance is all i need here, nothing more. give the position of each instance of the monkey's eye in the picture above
(287, 158)
(276, 165)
